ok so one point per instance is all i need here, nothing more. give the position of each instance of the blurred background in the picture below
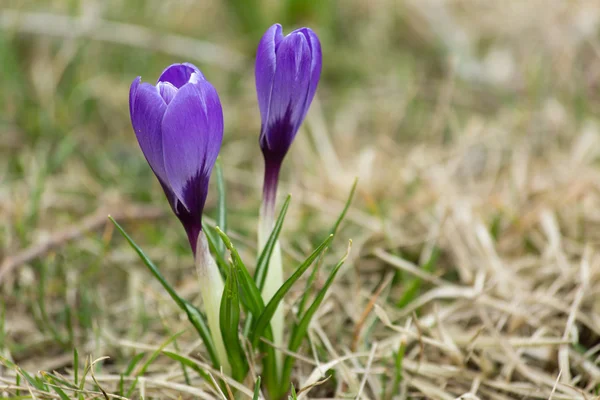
(430, 103)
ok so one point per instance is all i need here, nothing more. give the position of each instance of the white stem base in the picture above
(211, 290)
(273, 281)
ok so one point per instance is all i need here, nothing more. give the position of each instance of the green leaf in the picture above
(150, 360)
(412, 288)
(213, 242)
(194, 315)
(230, 321)
(188, 363)
(338, 222)
(256, 389)
(221, 205)
(252, 299)
(299, 332)
(398, 361)
(265, 318)
(262, 264)
(346, 207)
(75, 366)
(133, 362)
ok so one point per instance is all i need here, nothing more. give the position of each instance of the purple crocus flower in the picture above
(287, 74)
(179, 126)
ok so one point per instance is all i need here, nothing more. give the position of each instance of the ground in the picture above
(472, 127)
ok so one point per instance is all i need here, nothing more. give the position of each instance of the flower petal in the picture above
(148, 109)
(192, 131)
(264, 71)
(179, 74)
(290, 89)
(132, 91)
(315, 65)
(167, 91)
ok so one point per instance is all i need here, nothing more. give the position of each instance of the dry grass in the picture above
(473, 130)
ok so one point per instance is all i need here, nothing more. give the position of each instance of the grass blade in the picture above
(221, 204)
(265, 318)
(194, 315)
(188, 363)
(230, 322)
(252, 299)
(338, 222)
(333, 231)
(300, 330)
(256, 395)
(262, 264)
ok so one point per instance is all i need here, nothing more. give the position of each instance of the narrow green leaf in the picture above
(293, 395)
(265, 318)
(150, 360)
(156, 353)
(188, 363)
(256, 389)
(221, 205)
(230, 321)
(198, 320)
(262, 264)
(133, 362)
(299, 332)
(398, 361)
(75, 366)
(252, 298)
(57, 389)
(213, 242)
(313, 274)
(194, 315)
(38, 384)
(346, 207)
(413, 287)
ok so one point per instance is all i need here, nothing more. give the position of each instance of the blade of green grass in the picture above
(150, 360)
(252, 298)
(221, 204)
(230, 321)
(334, 229)
(188, 363)
(194, 315)
(413, 287)
(301, 329)
(340, 219)
(213, 242)
(256, 395)
(265, 318)
(133, 362)
(262, 264)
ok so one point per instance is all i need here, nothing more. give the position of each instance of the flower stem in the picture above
(211, 291)
(274, 278)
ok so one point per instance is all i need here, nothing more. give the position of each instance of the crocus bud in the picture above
(179, 126)
(287, 73)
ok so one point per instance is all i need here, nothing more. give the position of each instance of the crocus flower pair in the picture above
(179, 121)
(179, 126)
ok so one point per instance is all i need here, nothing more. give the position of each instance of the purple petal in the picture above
(132, 91)
(290, 89)
(167, 91)
(179, 74)
(265, 67)
(315, 66)
(192, 134)
(148, 108)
